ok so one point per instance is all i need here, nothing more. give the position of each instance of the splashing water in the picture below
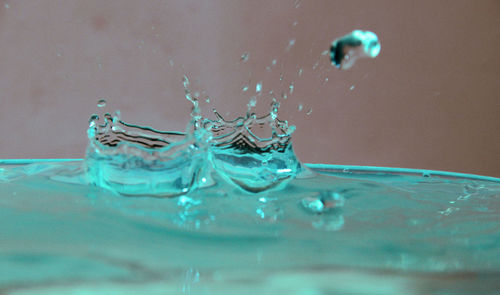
(359, 44)
(240, 190)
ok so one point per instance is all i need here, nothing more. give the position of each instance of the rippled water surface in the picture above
(329, 231)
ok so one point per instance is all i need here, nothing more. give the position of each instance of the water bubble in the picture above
(245, 56)
(323, 202)
(101, 103)
(359, 44)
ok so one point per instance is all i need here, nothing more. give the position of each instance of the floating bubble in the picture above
(359, 44)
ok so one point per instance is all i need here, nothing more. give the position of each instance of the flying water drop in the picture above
(101, 103)
(359, 44)
(244, 57)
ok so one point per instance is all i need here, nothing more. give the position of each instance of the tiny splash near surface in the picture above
(340, 230)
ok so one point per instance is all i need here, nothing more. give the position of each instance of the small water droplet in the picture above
(352, 87)
(291, 42)
(300, 107)
(324, 52)
(244, 88)
(7, 6)
(323, 202)
(291, 87)
(283, 95)
(93, 119)
(252, 102)
(346, 50)
(207, 99)
(245, 56)
(296, 3)
(258, 87)
(309, 111)
(295, 23)
(300, 72)
(101, 103)
(273, 62)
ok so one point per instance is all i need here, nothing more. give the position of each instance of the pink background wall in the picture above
(430, 100)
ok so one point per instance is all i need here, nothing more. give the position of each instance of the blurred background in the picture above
(430, 100)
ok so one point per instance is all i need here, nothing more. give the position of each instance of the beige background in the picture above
(430, 100)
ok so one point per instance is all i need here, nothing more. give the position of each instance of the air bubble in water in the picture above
(101, 103)
(359, 44)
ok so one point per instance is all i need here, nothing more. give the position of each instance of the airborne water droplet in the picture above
(244, 57)
(101, 103)
(291, 88)
(359, 44)
(300, 107)
(258, 87)
(291, 42)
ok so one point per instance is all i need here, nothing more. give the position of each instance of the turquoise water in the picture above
(334, 230)
(225, 207)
